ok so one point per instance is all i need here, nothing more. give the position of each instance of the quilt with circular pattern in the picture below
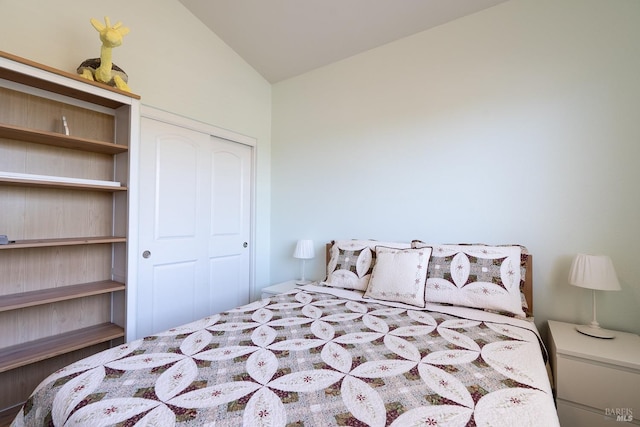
(310, 358)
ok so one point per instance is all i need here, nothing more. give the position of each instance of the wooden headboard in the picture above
(527, 288)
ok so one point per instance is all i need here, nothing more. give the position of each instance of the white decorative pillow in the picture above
(399, 275)
(352, 261)
(479, 276)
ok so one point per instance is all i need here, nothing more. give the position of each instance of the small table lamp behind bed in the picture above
(304, 251)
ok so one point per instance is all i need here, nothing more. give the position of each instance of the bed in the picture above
(333, 353)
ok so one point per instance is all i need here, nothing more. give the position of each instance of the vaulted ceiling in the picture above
(285, 38)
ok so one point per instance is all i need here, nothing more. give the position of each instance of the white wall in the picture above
(174, 63)
(518, 124)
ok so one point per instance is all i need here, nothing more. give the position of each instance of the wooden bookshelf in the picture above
(64, 278)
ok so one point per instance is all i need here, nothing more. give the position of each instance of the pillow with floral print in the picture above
(399, 275)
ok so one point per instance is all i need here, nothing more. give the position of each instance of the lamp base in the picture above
(595, 332)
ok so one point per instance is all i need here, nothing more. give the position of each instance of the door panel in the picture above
(226, 201)
(194, 220)
(173, 294)
(177, 184)
(230, 204)
(230, 220)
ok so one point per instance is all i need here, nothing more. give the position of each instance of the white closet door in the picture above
(229, 262)
(195, 196)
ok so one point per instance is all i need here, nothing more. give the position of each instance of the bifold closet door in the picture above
(194, 228)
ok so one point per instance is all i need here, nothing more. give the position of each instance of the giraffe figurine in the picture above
(103, 69)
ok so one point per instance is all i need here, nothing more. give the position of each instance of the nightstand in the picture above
(278, 288)
(597, 381)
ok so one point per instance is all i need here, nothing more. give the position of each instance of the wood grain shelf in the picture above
(59, 185)
(37, 80)
(62, 293)
(35, 351)
(59, 140)
(72, 241)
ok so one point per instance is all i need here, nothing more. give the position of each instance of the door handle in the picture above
(245, 244)
(146, 254)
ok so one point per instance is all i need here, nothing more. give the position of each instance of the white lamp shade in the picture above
(304, 249)
(593, 272)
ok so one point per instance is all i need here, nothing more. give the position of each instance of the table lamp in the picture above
(304, 251)
(594, 272)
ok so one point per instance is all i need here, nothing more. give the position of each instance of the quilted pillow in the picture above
(351, 262)
(478, 276)
(399, 275)
(524, 254)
